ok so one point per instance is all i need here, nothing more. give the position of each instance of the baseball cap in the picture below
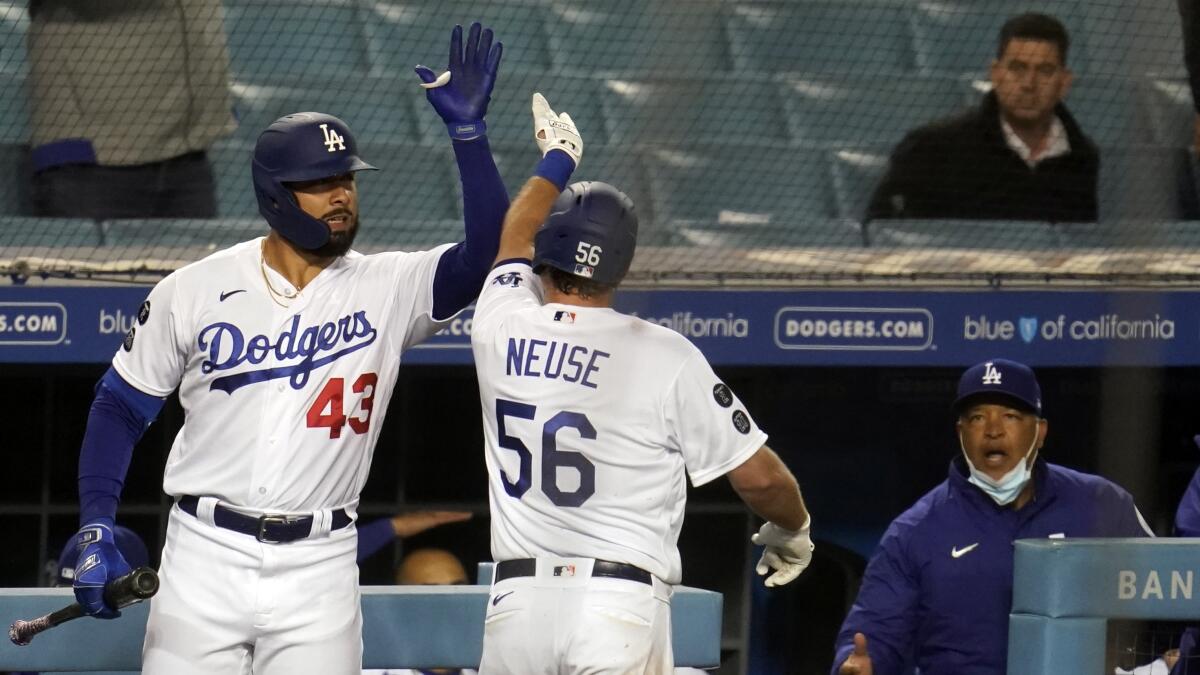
(131, 546)
(1003, 377)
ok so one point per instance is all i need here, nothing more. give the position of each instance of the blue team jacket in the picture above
(938, 590)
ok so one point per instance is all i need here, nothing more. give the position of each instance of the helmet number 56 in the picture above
(587, 254)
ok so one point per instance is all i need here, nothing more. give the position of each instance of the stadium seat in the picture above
(820, 36)
(508, 118)
(960, 36)
(856, 172)
(693, 110)
(741, 189)
(415, 182)
(875, 110)
(1174, 235)
(1169, 110)
(145, 235)
(230, 161)
(1110, 109)
(24, 232)
(14, 23)
(637, 37)
(804, 232)
(970, 234)
(376, 108)
(314, 38)
(1145, 182)
(404, 33)
(1131, 39)
(15, 172)
(14, 108)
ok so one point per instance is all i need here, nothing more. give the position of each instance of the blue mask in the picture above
(1005, 489)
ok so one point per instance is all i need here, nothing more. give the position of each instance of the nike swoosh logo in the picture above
(226, 294)
(500, 597)
(957, 552)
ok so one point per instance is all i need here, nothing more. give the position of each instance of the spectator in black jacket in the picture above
(1019, 155)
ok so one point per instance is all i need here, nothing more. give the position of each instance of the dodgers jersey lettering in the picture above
(591, 418)
(283, 404)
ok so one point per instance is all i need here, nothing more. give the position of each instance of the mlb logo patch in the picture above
(584, 271)
(564, 570)
(564, 317)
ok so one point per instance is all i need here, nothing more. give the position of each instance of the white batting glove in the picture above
(555, 132)
(787, 552)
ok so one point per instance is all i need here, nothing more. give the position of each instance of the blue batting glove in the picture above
(99, 563)
(461, 94)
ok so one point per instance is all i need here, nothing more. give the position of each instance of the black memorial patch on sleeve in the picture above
(127, 345)
(722, 394)
(144, 313)
(741, 422)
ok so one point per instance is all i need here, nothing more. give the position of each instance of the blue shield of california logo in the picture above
(1029, 328)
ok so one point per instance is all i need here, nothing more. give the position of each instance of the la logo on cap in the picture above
(990, 374)
(332, 138)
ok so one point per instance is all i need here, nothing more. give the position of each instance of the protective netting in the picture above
(751, 134)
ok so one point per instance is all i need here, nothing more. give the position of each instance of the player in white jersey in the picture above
(592, 418)
(284, 351)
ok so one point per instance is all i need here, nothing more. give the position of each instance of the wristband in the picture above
(556, 167)
(466, 131)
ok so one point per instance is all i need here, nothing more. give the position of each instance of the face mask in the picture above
(1004, 490)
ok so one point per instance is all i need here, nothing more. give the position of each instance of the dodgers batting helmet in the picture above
(300, 147)
(591, 233)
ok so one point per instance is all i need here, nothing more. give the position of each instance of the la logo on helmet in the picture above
(332, 139)
(990, 374)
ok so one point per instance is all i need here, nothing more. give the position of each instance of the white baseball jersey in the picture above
(283, 403)
(590, 419)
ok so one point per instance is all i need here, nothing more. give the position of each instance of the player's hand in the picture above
(99, 562)
(409, 524)
(554, 131)
(859, 662)
(786, 552)
(461, 94)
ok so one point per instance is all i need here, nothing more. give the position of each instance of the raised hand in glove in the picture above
(461, 94)
(786, 552)
(553, 131)
(99, 562)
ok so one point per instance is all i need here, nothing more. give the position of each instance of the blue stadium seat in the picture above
(693, 110)
(1169, 110)
(15, 172)
(1177, 235)
(968, 234)
(960, 36)
(24, 232)
(508, 118)
(1145, 182)
(803, 233)
(640, 37)
(1110, 109)
(1131, 39)
(14, 108)
(313, 38)
(14, 24)
(415, 182)
(856, 172)
(404, 33)
(205, 234)
(820, 36)
(854, 110)
(741, 186)
(376, 108)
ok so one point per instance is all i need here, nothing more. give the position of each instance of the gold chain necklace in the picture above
(262, 267)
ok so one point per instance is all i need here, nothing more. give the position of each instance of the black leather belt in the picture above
(527, 567)
(266, 528)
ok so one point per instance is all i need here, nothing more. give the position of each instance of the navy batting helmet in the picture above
(300, 147)
(591, 232)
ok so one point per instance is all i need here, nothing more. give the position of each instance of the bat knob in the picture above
(16, 633)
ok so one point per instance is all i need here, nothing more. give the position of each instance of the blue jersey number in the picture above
(552, 457)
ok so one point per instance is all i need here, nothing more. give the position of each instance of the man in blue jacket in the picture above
(938, 591)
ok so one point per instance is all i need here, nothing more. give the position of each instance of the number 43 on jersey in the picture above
(327, 410)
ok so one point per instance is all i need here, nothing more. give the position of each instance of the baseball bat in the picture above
(121, 592)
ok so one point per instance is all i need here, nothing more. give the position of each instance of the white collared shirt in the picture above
(1056, 145)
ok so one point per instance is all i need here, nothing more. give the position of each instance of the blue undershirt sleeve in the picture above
(462, 269)
(118, 417)
(374, 536)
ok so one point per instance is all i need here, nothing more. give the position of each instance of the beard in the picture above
(339, 242)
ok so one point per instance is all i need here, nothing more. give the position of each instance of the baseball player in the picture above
(284, 350)
(591, 419)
